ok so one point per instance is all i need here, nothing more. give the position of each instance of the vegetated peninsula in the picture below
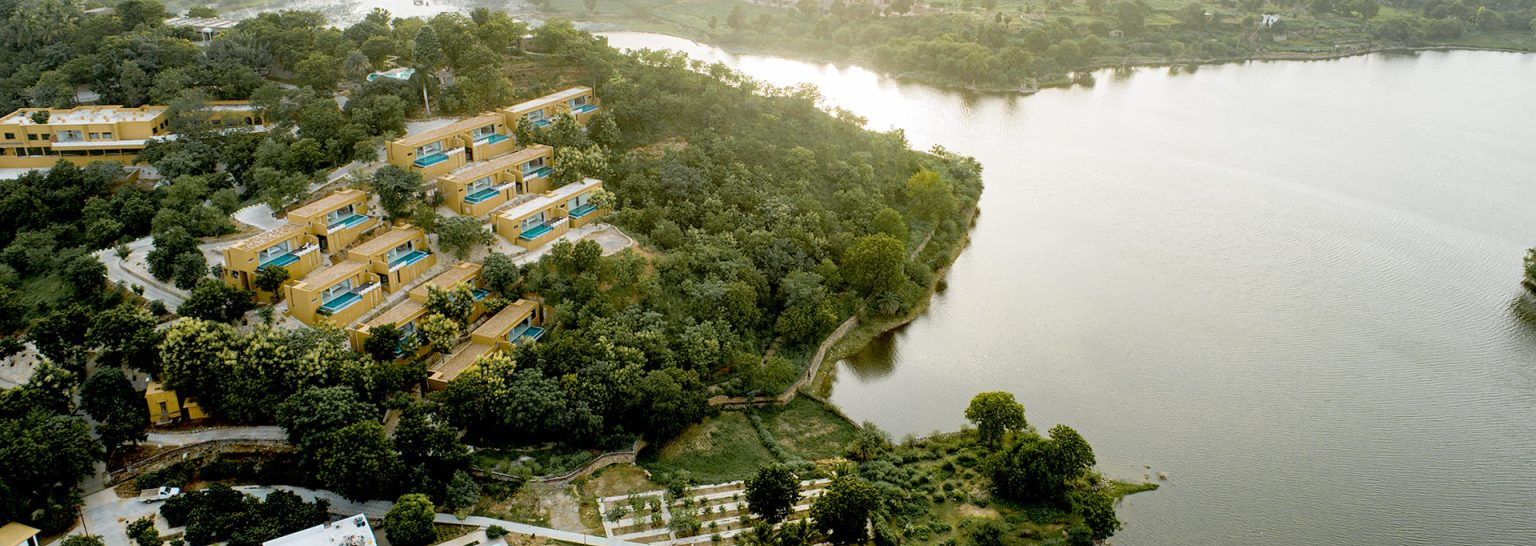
(571, 254)
(1013, 45)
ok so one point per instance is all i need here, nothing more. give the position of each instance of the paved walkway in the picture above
(211, 434)
(525, 529)
(135, 271)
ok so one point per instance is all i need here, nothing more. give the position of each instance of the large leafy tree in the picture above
(1076, 455)
(398, 189)
(110, 399)
(126, 335)
(842, 512)
(461, 235)
(312, 415)
(359, 462)
(429, 447)
(873, 264)
(409, 521)
(995, 413)
(42, 458)
(772, 492)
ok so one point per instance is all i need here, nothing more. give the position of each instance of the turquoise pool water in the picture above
(340, 302)
(532, 333)
(583, 109)
(494, 138)
(431, 160)
(536, 231)
(541, 171)
(481, 293)
(480, 196)
(541, 123)
(280, 261)
(349, 221)
(583, 210)
(408, 259)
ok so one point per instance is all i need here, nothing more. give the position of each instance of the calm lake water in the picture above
(1286, 285)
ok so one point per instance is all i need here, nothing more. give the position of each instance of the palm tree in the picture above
(356, 65)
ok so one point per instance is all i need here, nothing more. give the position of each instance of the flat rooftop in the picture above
(461, 126)
(85, 114)
(15, 533)
(212, 23)
(498, 325)
(390, 239)
(453, 366)
(353, 531)
(266, 238)
(328, 203)
(478, 169)
(574, 188)
(552, 97)
(403, 312)
(464, 272)
(329, 276)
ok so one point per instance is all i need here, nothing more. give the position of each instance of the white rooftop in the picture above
(201, 23)
(549, 198)
(353, 531)
(572, 188)
(103, 114)
(552, 97)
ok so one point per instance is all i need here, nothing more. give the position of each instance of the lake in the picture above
(1287, 285)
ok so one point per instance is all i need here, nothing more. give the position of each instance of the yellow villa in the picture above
(403, 316)
(289, 246)
(397, 257)
(165, 407)
(480, 187)
(336, 220)
(341, 294)
(17, 534)
(548, 216)
(464, 273)
(439, 151)
(579, 101)
(39, 137)
(518, 323)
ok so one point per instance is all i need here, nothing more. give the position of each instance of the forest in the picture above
(764, 220)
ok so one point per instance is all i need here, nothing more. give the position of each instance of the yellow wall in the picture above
(304, 296)
(241, 260)
(554, 104)
(375, 253)
(312, 217)
(457, 142)
(25, 144)
(554, 205)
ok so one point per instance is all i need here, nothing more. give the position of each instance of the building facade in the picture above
(336, 220)
(289, 246)
(548, 216)
(40, 137)
(339, 294)
(396, 258)
(479, 188)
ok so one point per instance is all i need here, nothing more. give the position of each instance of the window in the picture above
(483, 132)
(273, 252)
(533, 165)
(31, 136)
(578, 102)
(95, 136)
(71, 136)
(536, 115)
(106, 136)
(10, 136)
(532, 221)
(47, 136)
(397, 252)
(480, 184)
(331, 293)
(338, 214)
(430, 149)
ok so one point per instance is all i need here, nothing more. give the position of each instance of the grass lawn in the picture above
(720, 449)
(809, 428)
(542, 461)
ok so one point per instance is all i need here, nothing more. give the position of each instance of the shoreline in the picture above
(1026, 89)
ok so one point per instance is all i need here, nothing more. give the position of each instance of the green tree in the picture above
(1029, 471)
(842, 511)
(409, 521)
(1098, 512)
(463, 492)
(109, 398)
(399, 190)
(772, 492)
(994, 414)
(82, 540)
(430, 448)
(502, 274)
(930, 196)
(126, 335)
(461, 235)
(573, 164)
(169, 245)
(43, 457)
(1074, 451)
(455, 303)
(191, 267)
(439, 332)
(86, 276)
(143, 532)
(868, 443)
(1079, 535)
(428, 49)
(213, 300)
(874, 264)
(310, 416)
(271, 278)
(386, 342)
(359, 462)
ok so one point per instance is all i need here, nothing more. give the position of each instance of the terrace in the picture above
(481, 196)
(288, 258)
(407, 259)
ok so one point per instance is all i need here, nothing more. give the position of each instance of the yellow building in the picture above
(518, 323)
(397, 257)
(404, 316)
(165, 407)
(289, 246)
(340, 294)
(16, 534)
(235, 114)
(548, 216)
(579, 101)
(441, 150)
(480, 187)
(336, 220)
(464, 273)
(81, 135)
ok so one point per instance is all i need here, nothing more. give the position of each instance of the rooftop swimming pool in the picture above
(480, 196)
(340, 302)
(541, 171)
(408, 259)
(493, 138)
(583, 210)
(280, 261)
(431, 160)
(583, 109)
(481, 293)
(349, 221)
(535, 232)
(532, 333)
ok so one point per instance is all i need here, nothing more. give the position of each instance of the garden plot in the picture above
(708, 514)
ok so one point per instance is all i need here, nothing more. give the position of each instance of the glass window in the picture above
(480, 184)
(433, 148)
(483, 132)
(106, 136)
(341, 288)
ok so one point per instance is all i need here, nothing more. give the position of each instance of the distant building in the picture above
(16, 534)
(1269, 20)
(353, 531)
(206, 27)
(402, 74)
(39, 137)
(166, 407)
